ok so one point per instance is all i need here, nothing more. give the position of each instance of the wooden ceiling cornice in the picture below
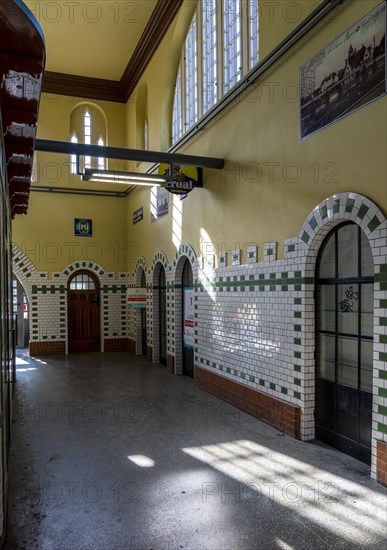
(113, 90)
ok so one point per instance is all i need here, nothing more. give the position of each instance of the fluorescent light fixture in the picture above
(126, 178)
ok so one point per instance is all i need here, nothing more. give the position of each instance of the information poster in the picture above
(189, 318)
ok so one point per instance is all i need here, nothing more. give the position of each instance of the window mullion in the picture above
(183, 88)
(199, 42)
(245, 35)
(220, 49)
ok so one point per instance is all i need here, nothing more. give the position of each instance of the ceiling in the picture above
(100, 49)
(93, 39)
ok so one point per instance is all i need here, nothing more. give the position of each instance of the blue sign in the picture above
(83, 228)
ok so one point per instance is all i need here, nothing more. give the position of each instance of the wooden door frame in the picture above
(97, 283)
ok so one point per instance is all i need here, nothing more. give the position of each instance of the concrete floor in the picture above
(111, 453)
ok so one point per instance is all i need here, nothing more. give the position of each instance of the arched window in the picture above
(87, 135)
(88, 125)
(73, 165)
(101, 160)
(221, 46)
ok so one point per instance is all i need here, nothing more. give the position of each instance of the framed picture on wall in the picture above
(346, 75)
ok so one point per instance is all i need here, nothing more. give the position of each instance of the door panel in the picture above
(84, 320)
(344, 343)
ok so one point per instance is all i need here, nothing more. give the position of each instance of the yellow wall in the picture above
(48, 229)
(252, 199)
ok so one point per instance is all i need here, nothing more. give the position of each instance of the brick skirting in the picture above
(171, 364)
(282, 415)
(116, 344)
(131, 345)
(381, 462)
(47, 348)
(149, 354)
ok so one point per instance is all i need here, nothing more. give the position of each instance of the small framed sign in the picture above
(138, 215)
(83, 227)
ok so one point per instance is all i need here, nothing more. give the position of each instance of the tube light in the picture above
(126, 178)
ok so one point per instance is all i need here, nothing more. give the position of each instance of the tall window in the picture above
(87, 135)
(101, 160)
(221, 46)
(210, 83)
(232, 43)
(73, 161)
(177, 123)
(191, 76)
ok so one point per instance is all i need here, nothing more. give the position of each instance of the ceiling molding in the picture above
(82, 86)
(155, 30)
(112, 90)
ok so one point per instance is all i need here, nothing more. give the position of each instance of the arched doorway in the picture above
(84, 333)
(163, 316)
(143, 318)
(344, 341)
(21, 314)
(188, 319)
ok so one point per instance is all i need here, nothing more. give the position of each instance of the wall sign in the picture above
(189, 317)
(138, 215)
(346, 75)
(136, 297)
(83, 227)
(185, 178)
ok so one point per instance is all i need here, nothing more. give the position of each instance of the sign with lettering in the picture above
(136, 297)
(83, 227)
(182, 178)
(138, 215)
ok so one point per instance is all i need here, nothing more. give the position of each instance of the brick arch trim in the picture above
(141, 263)
(160, 257)
(343, 206)
(186, 250)
(24, 269)
(91, 266)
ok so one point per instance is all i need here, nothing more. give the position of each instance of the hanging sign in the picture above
(183, 178)
(189, 317)
(136, 297)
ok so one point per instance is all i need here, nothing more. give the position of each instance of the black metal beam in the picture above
(83, 150)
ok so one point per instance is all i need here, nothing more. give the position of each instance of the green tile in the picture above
(382, 392)
(383, 374)
(349, 205)
(297, 395)
(323, 212)
(272, 386)
(383, 321)
(297, 354)
(305, 237)
(374, 223)
(382, 356)
(382, 428)
(291, 247)
(297, 341)
(336, 206)
(297, 328)
(382, 410)
(297, 368)
(261, 382)
(383, 304)
(297, 301)
(313, 223)
(383, 339)
(297, 381)
(284, 390)
(297, 314)
(362, 211)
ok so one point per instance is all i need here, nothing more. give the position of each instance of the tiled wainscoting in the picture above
(254, 320)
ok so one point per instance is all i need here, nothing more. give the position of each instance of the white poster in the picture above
(189, 316)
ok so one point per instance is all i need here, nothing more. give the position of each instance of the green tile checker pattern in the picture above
(250, 378)
(268, 282)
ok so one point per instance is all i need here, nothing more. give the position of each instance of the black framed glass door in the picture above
(344, 341)
(163, 316)
(188, 320)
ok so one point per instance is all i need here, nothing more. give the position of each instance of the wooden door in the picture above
(83, 313)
